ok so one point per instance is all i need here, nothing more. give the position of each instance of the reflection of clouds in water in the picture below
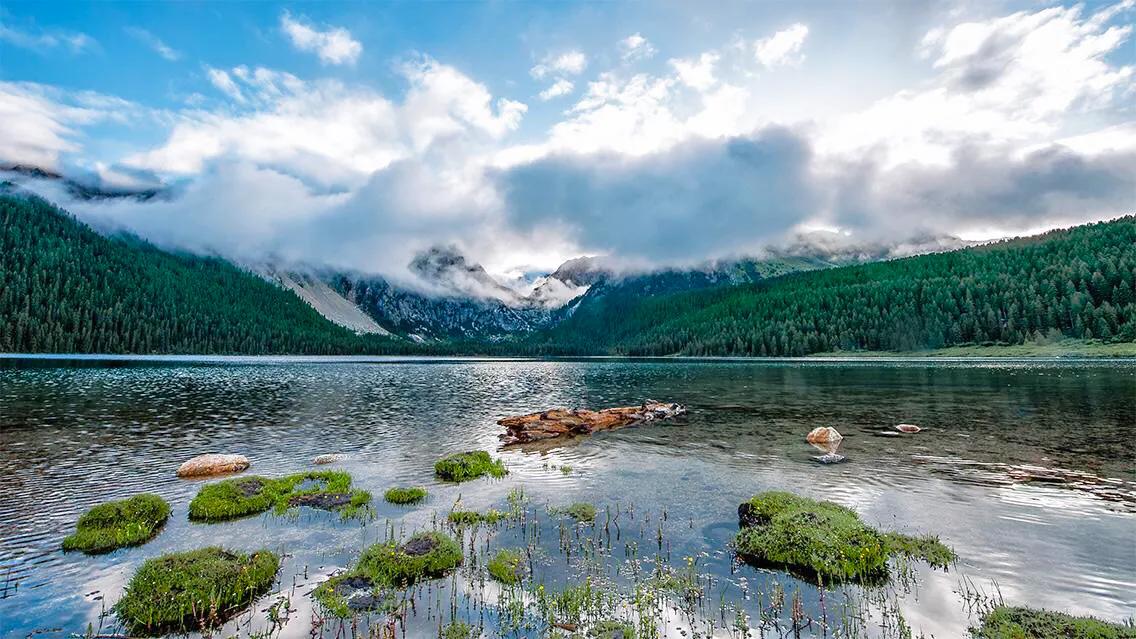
(745, 433)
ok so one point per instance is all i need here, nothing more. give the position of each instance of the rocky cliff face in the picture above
(425, 317)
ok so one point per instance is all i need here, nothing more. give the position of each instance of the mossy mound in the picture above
(405, 495)
(580, 511)
(823, 540)
(473, 518)
(469, 465)
(386, 567)
(507, 566)
(243, 496)
(1005, 622)
(612, 630)
(116, 524)
(189, 591)
(457, 630)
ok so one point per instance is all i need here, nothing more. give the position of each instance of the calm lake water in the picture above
(74, 433)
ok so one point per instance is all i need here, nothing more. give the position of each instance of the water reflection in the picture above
(74, 434)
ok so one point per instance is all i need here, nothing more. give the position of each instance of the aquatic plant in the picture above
(507, 566)
(116, 524)
(456, 630)
(189, 591)
(243, 496)
(1006, 622)
(823, 540)
(385, 567)
(580, 511)
(472, 517)
(612, 629)
(468, 465)
(405, 495)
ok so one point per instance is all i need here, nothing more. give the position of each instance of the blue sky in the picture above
(356, 134)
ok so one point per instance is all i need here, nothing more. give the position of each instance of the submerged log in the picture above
(562, 422)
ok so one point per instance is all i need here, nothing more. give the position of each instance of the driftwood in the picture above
(562, 422)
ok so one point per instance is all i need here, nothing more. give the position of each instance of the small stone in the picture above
(830, 458)
(907, 428)
(329, 458)
(213, 464)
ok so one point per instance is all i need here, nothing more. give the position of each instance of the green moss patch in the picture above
(405, 495)
(384, 568)
(612, 630)
(823, 540)
(469, 465)
(116, 524)
(580, 511)
(473, 518)
(507, 566)
(188, 591)
(1006, 622)
(457, 630)
(243, 496)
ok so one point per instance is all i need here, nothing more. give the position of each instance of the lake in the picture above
(1025, 468)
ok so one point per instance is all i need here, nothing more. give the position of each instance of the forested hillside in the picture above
(1074, 283)
(65, 288)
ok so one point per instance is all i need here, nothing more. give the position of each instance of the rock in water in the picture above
(830, 458)
(213, 464)
(561, 422)
(907, 428)
(823, 435)
(329, 458)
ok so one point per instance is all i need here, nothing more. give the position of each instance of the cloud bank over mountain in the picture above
(1008, 123)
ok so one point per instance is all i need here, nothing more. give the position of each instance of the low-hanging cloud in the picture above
(697, 200)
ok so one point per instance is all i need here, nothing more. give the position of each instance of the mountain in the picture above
(1075, 283)
(65, 288)
(90, 188)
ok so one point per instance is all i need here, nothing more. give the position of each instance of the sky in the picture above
(355, 135)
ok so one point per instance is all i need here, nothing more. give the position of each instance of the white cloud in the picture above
(39, 124)
(1007, 81)
(328, 132)
(333, 46)
(43, 41)
(155, 43)
(782, 48)
(568, 63)
(635, 47)
(558, 88)
(697, 73)
(225, 84)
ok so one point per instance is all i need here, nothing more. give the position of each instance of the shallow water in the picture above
(77, 432)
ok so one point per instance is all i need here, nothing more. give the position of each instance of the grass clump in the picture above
(823, 540)
(405, 495)
(457, 630)
(580, 511)
(507, 566)
(243, 496)
(1005, 622)
(612, 629)
(461, 467)
(188, 591)
(385, 567)
(473, 518)
(116, 524)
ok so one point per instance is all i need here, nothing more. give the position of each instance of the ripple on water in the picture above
(76, 436)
